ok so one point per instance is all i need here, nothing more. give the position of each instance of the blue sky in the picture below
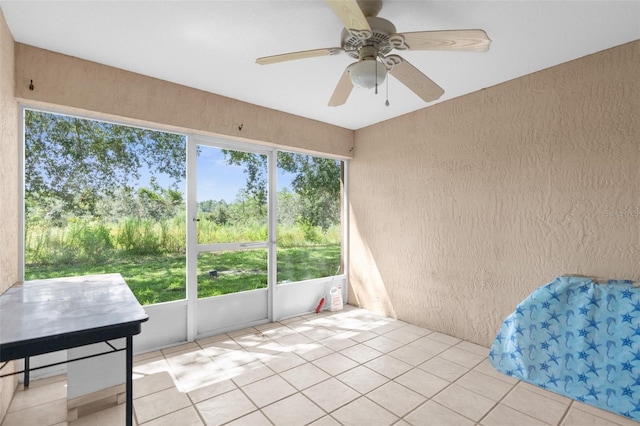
(215, 179)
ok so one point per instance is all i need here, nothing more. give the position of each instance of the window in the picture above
(102, 198)
(232, 215)
(309, 217)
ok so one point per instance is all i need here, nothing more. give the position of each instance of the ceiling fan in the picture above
(370, 39)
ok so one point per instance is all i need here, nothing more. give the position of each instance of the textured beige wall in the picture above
(461, 210)
(83, 86)
(9, 184)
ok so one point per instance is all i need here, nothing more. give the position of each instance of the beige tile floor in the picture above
(350, 367)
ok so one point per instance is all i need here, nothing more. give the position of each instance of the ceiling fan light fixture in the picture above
(367, 73)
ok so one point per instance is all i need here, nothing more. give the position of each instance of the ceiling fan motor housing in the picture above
(382, 30)
(370, 7)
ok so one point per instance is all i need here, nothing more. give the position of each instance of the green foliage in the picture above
(147, 237)
(87, 214)
(80, 241)
(289, 208)
(310, 231)
(83, 239)
(303, 263)
(93, 240)
(217, 212)
(76, 162)
(138, 236)
(210, 232)
(317, 183)
(162, 278)
(255, 168)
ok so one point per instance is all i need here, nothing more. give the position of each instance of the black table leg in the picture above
(26, 372)
(129, 385)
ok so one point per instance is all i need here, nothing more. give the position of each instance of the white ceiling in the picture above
(212, 45)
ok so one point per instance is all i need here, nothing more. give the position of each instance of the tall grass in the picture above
(78, 241)
(150, 254)
(90, 240)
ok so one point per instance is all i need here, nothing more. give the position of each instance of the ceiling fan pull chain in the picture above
(386, 103)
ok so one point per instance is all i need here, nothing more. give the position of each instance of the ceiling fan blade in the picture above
(342, 91)
(352, 17)
(298, 55)
(466, 40)
(416, 81)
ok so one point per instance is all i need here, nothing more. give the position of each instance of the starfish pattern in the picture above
(553, 336)
(594, 346)
(517, 349)
(553, 315)
(583, 332)
(592, 392)
(627, 317)
(593, 369)
(627, 367)
(593, 323)
(553, 358)
(569, 337)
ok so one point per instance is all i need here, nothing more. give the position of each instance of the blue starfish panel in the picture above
(577, 338)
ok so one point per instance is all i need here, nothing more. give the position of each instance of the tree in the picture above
(317, 183)
(215, 211)
(77, 161)
(288, 207)
(255, 167)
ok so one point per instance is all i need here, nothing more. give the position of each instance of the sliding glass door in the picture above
(228, 239)
(264, 232)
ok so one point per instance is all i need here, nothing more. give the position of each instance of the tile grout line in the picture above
(513, 386)
(417, 366)
(565, 414)
(334, 327)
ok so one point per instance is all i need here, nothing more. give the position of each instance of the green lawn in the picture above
(161, 278)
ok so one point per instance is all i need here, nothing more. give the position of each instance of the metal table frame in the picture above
(122, 324)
